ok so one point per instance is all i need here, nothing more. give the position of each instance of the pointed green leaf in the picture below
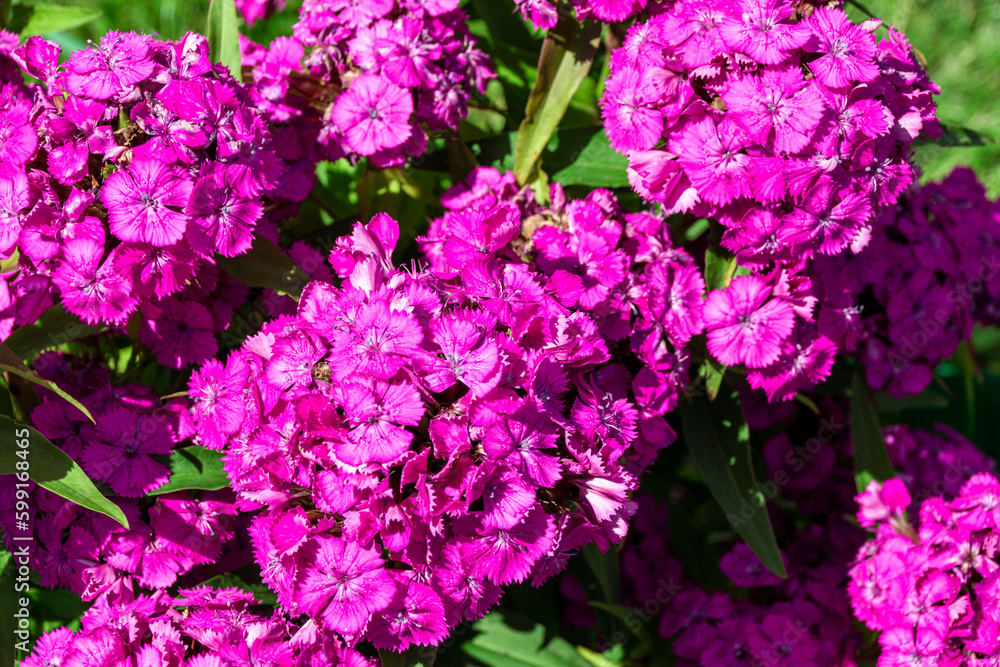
(51, 468)
(720, 263)
(597, 659)
(719, 441)
(605, 567)
(265, 265)
(871, 458)
(584, 157)
(567, 55)
(11, 363)
(955, 136)
(504, 640)
(54, 328)
(193, 467)
(45, 19)
(224, 36)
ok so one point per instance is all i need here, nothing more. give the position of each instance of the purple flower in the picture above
(373, 114)
(141, 202)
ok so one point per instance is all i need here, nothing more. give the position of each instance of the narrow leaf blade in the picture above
(871, 458)
(265, 265)
(224, 36)
(718, 439)
(567, 55)
(52, 469)
(11, 363)
(54, 328)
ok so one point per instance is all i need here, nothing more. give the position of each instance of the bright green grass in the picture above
(960, 40)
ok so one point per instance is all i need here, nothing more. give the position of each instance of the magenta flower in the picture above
(219, 404)
(120, 453)
(713, 159)
(344, 584)
(221, 219)
(102, 72)
(178, 332)
(141, 202)
(764, 31)
(373, 114)
(744, 326)
(848, 50)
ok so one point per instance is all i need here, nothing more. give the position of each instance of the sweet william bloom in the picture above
(344, 584)
(179, 332)
(373, 114)
(121, 452)
(142, 201)
(763, 30)
(93, 291)
(103, 71)
(219, 403)
(713, 157)
(221, 219)
(744, 326)
(848, 50)
(780, 102)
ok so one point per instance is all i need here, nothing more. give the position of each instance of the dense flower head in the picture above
(785, 122)
(126, 449)
(151, 162)
(931, 271)
(365, 80)
(930, 585)
(417, 441)
(617, 273)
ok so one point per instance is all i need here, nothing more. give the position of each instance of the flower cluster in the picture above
(419, 440)
(931, 590)
(256, 10)
(617, 271)
(199, 627)
(544, 14)
(126, 450)
(151, 160)
(759, 619)
(788, 128)
(366, 80)
(931, 271)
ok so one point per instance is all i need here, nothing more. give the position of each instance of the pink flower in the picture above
(373, 114)
(343, 584)
(141, 202)
(122, 449)
(744, 326)
(848, 51)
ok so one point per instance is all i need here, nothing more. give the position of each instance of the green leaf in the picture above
(595, 658)
(11, 363)
(415, 656)
(719, 441)
(605, 567)
(54, 328)
(5, 7)
(584, 157)
(265, 265)
(193, 467)
(710, 373)
(955, 136)
(720, 264)
(567, 55)
(504, 24)
(51, 468)
(45, 19)
(224, 36)
(9, 603)
(504, 640)
(871, 459)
